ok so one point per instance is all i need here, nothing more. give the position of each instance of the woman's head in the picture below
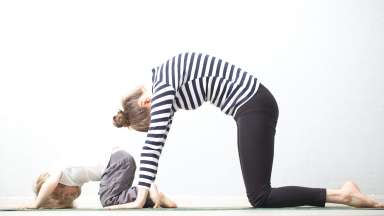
(134, 115)
(62, 197)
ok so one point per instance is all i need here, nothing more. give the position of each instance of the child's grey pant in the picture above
(116, 181)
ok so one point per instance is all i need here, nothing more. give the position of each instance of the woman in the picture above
(59, 188)
(186, 81)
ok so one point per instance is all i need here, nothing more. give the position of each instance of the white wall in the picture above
(65, 65)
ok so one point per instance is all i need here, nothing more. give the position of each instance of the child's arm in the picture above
(46, 189)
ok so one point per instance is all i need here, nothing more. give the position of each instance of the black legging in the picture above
(256, 122)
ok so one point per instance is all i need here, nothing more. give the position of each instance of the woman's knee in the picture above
(259, 198)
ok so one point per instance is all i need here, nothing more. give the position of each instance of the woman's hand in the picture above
(155, 196)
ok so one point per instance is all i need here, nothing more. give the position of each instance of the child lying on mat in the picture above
(58, 189)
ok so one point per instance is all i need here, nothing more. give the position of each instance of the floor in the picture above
(188, 206)
(335, 211)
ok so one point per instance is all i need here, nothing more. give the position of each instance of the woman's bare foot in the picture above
(353, 197)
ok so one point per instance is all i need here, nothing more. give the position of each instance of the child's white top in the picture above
(77, 175)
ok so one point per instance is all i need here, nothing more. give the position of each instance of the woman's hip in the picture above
(261, 103)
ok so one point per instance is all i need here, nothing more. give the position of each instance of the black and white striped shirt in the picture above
(185, 82)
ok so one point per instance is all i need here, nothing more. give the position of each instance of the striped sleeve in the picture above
(161, 120)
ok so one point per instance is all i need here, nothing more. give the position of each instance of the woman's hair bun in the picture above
(120, 120)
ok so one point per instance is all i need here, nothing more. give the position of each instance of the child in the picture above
(58, 189)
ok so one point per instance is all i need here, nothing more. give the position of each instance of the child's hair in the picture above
(133, 115)
(52, 201)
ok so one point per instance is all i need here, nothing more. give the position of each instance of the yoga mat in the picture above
(198, 209)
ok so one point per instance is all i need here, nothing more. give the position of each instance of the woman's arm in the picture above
(161, 120)
(154, 195)
(46, 189)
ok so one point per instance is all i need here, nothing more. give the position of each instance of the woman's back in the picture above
(198, 77)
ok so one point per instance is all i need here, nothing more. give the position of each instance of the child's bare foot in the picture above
(355, 198)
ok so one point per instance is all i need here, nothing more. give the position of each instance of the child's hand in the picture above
(28, 205)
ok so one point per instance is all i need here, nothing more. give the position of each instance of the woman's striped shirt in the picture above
(185, 82)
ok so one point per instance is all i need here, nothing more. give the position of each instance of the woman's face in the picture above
(145, 99)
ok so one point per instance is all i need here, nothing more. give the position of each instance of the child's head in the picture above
(62, 197)
(133, 115)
